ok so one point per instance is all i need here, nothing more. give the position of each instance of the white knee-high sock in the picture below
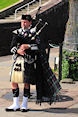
(15, 104)
(24, 102)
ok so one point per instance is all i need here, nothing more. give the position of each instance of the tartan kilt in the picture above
(25, 74)
(30, 73)
(17, 71)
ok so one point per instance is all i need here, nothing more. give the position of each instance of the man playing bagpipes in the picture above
(31, 66)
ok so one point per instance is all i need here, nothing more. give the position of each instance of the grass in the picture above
(6, 3)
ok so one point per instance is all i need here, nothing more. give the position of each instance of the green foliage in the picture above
(73, 65)
(6, 3)
(65, 69)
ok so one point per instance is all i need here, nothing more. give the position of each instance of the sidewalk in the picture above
(66, 107)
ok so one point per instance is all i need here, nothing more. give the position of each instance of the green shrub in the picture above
(73, 65)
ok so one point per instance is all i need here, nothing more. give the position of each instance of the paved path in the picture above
(66, 107)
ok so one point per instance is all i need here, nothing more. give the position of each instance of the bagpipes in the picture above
(37, 29)
(17, 71)
(50, 77)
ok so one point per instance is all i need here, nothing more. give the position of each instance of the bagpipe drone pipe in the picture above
(56, 18)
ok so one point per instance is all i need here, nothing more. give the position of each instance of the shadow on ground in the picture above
(60, 98)
(57, 110)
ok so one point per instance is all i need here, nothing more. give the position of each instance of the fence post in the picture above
(39, 2)
(60, 61)
(28, 9)
(15, 14)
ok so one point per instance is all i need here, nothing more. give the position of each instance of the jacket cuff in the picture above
(14, 50)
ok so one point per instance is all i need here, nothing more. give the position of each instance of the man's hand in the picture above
(22, 48)
(20, 51)
(25, 46)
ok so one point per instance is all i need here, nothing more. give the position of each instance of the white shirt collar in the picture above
(24, 30)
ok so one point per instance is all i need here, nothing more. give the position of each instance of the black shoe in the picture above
(24, 110)
(11, 110)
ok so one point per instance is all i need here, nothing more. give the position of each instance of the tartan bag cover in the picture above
(17, 74)
(48, 73)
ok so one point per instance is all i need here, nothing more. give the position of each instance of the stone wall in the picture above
(71, 35)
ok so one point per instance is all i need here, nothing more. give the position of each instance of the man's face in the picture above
(25, 24)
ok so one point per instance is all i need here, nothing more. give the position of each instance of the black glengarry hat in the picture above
(26, 17)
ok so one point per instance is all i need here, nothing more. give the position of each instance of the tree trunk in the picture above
(71, 35)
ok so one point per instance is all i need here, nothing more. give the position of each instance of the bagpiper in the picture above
(26, 44)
